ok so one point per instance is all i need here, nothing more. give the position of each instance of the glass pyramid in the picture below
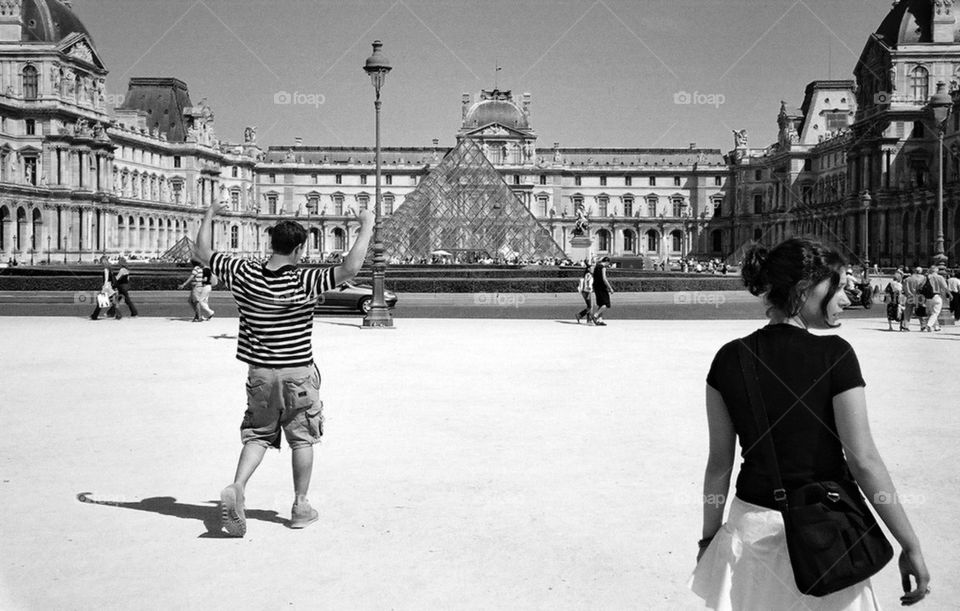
(464, 207)
(181, 252)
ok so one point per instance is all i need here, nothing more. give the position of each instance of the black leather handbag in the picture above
(833, 539)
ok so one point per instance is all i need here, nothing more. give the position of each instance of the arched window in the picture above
(920, 84)
(629, 241)
(29, 83)
(37, 228)
(234, 237)
(653, 241)
(603, 240)
(4, 221)
(676, 241)
(315, 239)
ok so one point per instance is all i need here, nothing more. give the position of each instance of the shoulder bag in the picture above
(833, 540)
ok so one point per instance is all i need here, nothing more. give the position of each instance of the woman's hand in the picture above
(912, 565)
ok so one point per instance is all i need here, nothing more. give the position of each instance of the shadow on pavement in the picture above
(168, 506)
(338, 324)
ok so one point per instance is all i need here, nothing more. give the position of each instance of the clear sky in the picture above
(601, 72)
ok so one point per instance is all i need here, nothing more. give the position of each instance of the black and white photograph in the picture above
(443, 305)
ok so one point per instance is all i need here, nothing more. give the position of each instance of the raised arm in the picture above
(352, 263)
(201, 249)
(850, 412)
(716, 477)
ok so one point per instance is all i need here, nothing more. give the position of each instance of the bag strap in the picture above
(748, 364)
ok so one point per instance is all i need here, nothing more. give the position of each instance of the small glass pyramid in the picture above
(464, 207)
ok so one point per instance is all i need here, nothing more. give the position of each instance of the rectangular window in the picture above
(177, 191)
(836, 121)
(387, 205)
(338, 179)
(363, 201)
(807, 165)
(577, 181)
(651, 207)
(271, 204)
(315, 178)
(603, 205)
(313, 203)
(235, 200)
(233, 171)
(678, 208)
(543, 177)
(31, 127)
(628, 181)
(628, 206)
(176, 161)
(542, 206)
(338, 205)
(718, 181)
(676, 181)
(388, 179)
(363, 179)
(603, 181)
(653, 181)
(717, 208)
(758, 175)
(516, 179)
(757, 203)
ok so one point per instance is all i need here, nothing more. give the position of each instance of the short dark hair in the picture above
(285, 236)
(784, 272)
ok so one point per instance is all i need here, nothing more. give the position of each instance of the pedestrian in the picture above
(107, 297)
(276, 300)
(601, 291)
(811, 388)
(123, 287)
(894, 300)
(206, 288)
(195, 282)
(585, 288)
(911, 294)
(934, 290)
(953, 284)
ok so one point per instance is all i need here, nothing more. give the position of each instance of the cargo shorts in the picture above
(286, 399)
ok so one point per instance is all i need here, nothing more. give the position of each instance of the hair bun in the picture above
(753, 270)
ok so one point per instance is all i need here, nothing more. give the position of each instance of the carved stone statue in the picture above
(582, 223)
(250, 135)
(740, 138)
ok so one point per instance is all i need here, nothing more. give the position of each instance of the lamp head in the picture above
(377, 66)
(940, 103)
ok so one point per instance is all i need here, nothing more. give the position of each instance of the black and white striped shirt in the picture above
(276, 309)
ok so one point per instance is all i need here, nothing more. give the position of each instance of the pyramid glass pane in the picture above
(463, 206)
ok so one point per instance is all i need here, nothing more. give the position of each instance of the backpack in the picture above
(927, 289)
(586, 283)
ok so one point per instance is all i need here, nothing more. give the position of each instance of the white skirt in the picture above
(747, 567)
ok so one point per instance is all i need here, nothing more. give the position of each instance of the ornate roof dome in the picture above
(50, 21)
(496, 107)
(912, 21)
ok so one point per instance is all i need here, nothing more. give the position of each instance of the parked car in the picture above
(352, 297)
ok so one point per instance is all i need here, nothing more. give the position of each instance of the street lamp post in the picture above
(377, 66)
(865, 200)
(48, 250)
(941, 105)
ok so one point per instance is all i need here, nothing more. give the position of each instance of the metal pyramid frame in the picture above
(463, 206)
(180, 252)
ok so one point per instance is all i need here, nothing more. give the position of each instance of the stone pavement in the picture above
(467, 464)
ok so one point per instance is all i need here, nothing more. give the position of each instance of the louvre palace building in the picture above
(854, 164)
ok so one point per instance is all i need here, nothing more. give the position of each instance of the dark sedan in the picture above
(352, 297)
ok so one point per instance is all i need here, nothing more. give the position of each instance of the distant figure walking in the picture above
(205, 290)
(894, 299)
(195, 282)
(911, 293)
(123, 287)
(953, 284)
(107, 293)
(934, 290)
(601, 290)
(586, 290)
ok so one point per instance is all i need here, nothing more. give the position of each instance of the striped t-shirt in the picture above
(276, 309)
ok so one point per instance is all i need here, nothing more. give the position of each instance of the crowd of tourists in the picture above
(922, 296)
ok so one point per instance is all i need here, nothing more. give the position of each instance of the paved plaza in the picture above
(467, 464)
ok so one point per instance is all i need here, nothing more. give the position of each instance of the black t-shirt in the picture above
(799, 374)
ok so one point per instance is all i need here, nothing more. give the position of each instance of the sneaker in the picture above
(302, 515)
(232, 517)
(209, 317)
(599, 322)
(195, 319)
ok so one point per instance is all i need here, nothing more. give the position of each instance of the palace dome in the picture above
(911, 21)
(50, 21)
(496, 107)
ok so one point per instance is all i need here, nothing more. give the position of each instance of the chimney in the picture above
(693, 145)
(298, 141)
(436, 142)
(465, 104)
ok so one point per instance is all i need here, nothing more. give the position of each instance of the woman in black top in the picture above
(601, 290)
(813, 392)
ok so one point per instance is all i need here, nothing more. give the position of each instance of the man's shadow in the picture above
(168, 506)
